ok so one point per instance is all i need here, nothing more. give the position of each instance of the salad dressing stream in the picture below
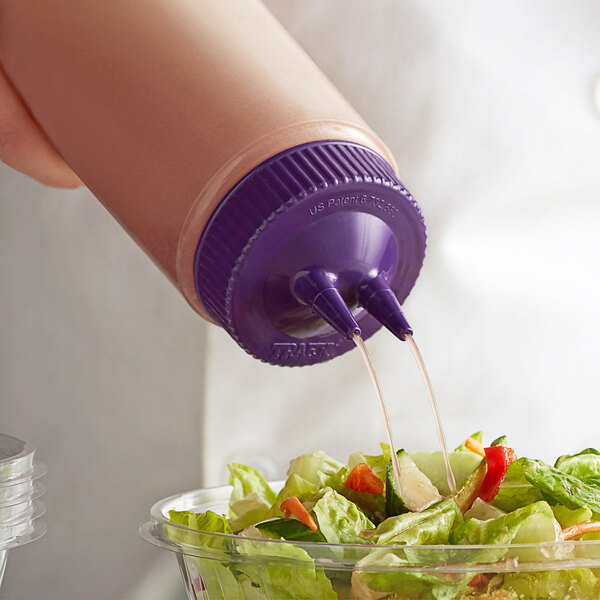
(357, 339)
(434, 407)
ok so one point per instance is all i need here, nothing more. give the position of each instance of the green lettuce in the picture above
(567, 516)
(251, 497)
(218, 579)
(560, 488)
(402, 584)
(585, 464)
(531, 524)
(307, 475)
(431, 526)
(516, 491)
(283, 571)
(202, 523)
(340, 521)
(578, 584)
(249, 589)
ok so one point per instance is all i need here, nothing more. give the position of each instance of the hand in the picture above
(24, 146)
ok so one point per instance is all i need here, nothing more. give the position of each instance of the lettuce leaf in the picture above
(585, 464)
(431, 526)
(516, 491)
(567, 516)
(219, 580)
(208, 522)
(286, 571)
(580, 584)
(560, 488)
(340, 521)
(251, 497)
(407, 584)
(307, 475)
(531, 524)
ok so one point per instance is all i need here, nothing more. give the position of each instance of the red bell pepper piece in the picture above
(363, 479)
(480, 581)
(498, 458)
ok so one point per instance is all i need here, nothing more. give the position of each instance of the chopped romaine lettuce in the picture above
(530, 524)
(561, 488)
(585, 464)
(392, 583)
(577, 584)
(340, 521)
(284, 571)
(431, 526)
(307, 475)
(515, 491)
(251, 497)
(568, 516)
(200, 523)
(218, 579)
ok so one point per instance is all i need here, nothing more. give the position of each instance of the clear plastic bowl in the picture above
(20, 490)
(229, 567)
(16, 458)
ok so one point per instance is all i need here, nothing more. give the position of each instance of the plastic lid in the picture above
(331, 206)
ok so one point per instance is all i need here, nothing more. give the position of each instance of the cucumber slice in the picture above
(470, 489)
(432, 464)
(417, 493)
(290, 529)
(501, 441)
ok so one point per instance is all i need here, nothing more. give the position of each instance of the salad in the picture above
(393, 538)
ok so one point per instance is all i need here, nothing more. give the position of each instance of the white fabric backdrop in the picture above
(489, 110)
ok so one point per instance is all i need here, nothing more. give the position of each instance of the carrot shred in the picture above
(362, 478)
(578, 530)
(475, 446)
(293, 506)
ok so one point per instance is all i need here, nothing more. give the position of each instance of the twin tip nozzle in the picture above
(318, 289)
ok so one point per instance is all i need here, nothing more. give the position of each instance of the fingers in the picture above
(25, 147)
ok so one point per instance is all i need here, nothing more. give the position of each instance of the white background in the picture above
(489, 109)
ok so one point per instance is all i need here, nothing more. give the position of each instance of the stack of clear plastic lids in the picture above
(20, 490)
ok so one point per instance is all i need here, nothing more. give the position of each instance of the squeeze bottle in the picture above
(219, 146)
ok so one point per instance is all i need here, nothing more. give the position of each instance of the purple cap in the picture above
(331, 214)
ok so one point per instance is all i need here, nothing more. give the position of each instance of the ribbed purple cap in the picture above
(328, 205)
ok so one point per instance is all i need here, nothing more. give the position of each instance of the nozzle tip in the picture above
(316, 288)
(376, 297)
